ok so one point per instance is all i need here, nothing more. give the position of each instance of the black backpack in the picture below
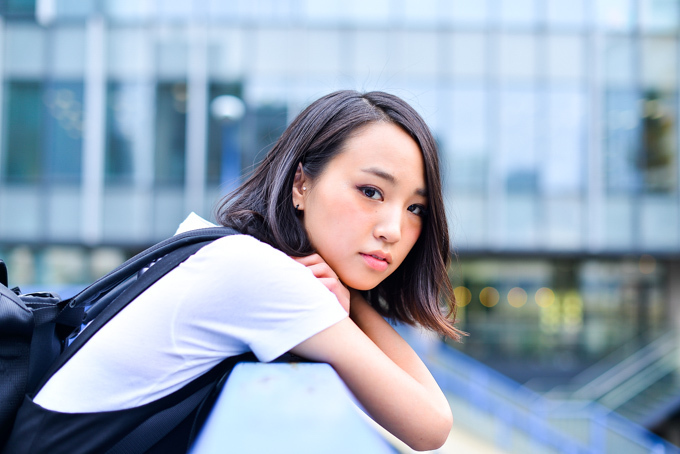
(39, 332)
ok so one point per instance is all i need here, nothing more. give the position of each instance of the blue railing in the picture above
(517, 419)
(286, 408)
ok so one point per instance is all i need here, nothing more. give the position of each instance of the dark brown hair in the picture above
(262, 206)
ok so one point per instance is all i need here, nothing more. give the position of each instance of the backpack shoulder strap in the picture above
(171, 253)
(143, 259)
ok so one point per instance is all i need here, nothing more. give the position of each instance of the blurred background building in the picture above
(557, 121)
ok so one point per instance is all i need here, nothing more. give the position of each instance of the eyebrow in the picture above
(390, 178)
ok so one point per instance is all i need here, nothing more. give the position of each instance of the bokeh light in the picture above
(463, 296)
(573, 310)
(489, 296)
(517, 297)
(545, 297)
(550, 319)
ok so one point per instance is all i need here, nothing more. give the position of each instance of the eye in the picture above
(371, 193)
(418, 210)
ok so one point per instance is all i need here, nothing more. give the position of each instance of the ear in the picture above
(300, 184)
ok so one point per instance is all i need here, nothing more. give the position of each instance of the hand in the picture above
(327, 276)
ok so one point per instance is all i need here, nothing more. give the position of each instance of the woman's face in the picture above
(364, 213)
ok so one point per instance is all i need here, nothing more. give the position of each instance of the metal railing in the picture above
(661, 355)
(520, 420)
(296, 408)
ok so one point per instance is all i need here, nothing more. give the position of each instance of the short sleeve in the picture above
(245, 291)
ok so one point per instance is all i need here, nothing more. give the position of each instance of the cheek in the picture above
(330, 218)
(412, 230)
(410, 237)
(343, 213)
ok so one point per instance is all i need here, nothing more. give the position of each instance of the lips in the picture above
(377, 260)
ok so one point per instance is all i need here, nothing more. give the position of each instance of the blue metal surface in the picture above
(569, 427)
(287, 408)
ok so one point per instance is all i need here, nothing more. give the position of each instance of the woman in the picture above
(352, 192)
(366, 214)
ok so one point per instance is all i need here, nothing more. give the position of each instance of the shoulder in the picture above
(243, 247)
(243, 256)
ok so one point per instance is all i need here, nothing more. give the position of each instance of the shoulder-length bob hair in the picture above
(262, 206)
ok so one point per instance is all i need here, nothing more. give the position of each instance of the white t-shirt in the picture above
(235, 295)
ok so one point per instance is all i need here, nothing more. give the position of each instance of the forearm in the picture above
(399, 352)
(380, 368)
(391, 343)
(415, 412)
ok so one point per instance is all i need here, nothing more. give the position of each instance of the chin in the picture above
(365, 281)
(361, 285)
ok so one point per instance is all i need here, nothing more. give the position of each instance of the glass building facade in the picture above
(557, 121)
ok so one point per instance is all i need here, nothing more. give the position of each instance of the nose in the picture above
(388, 228)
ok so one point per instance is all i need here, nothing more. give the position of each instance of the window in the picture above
(171, 117)
(467, 57)
(252, 136)
(659, 15)
(622, 138)
(563, 158)
(518, 12)
(468, 11)
(464, 137)
(23, 126)
(270, 122)
(517, 137)
(517, 56)
(63, 102)
(44, 132)
(18, 8)
(566, 13)
(658, 151)
(219, 133)
(615, 14)
(640, 142)
(121, 119)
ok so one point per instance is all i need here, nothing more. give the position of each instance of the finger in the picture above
(339, 290)
(334, 285)
(322, 270)
(309, 259)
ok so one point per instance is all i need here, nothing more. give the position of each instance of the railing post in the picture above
(598, 431)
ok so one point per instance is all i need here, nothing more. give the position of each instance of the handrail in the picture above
(510, 414)
(592, 428)
(627, 368)
(300, 408)
(604, 364)
(641, 381)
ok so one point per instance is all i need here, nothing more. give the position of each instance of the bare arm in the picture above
(385, 375)
(390, 342)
